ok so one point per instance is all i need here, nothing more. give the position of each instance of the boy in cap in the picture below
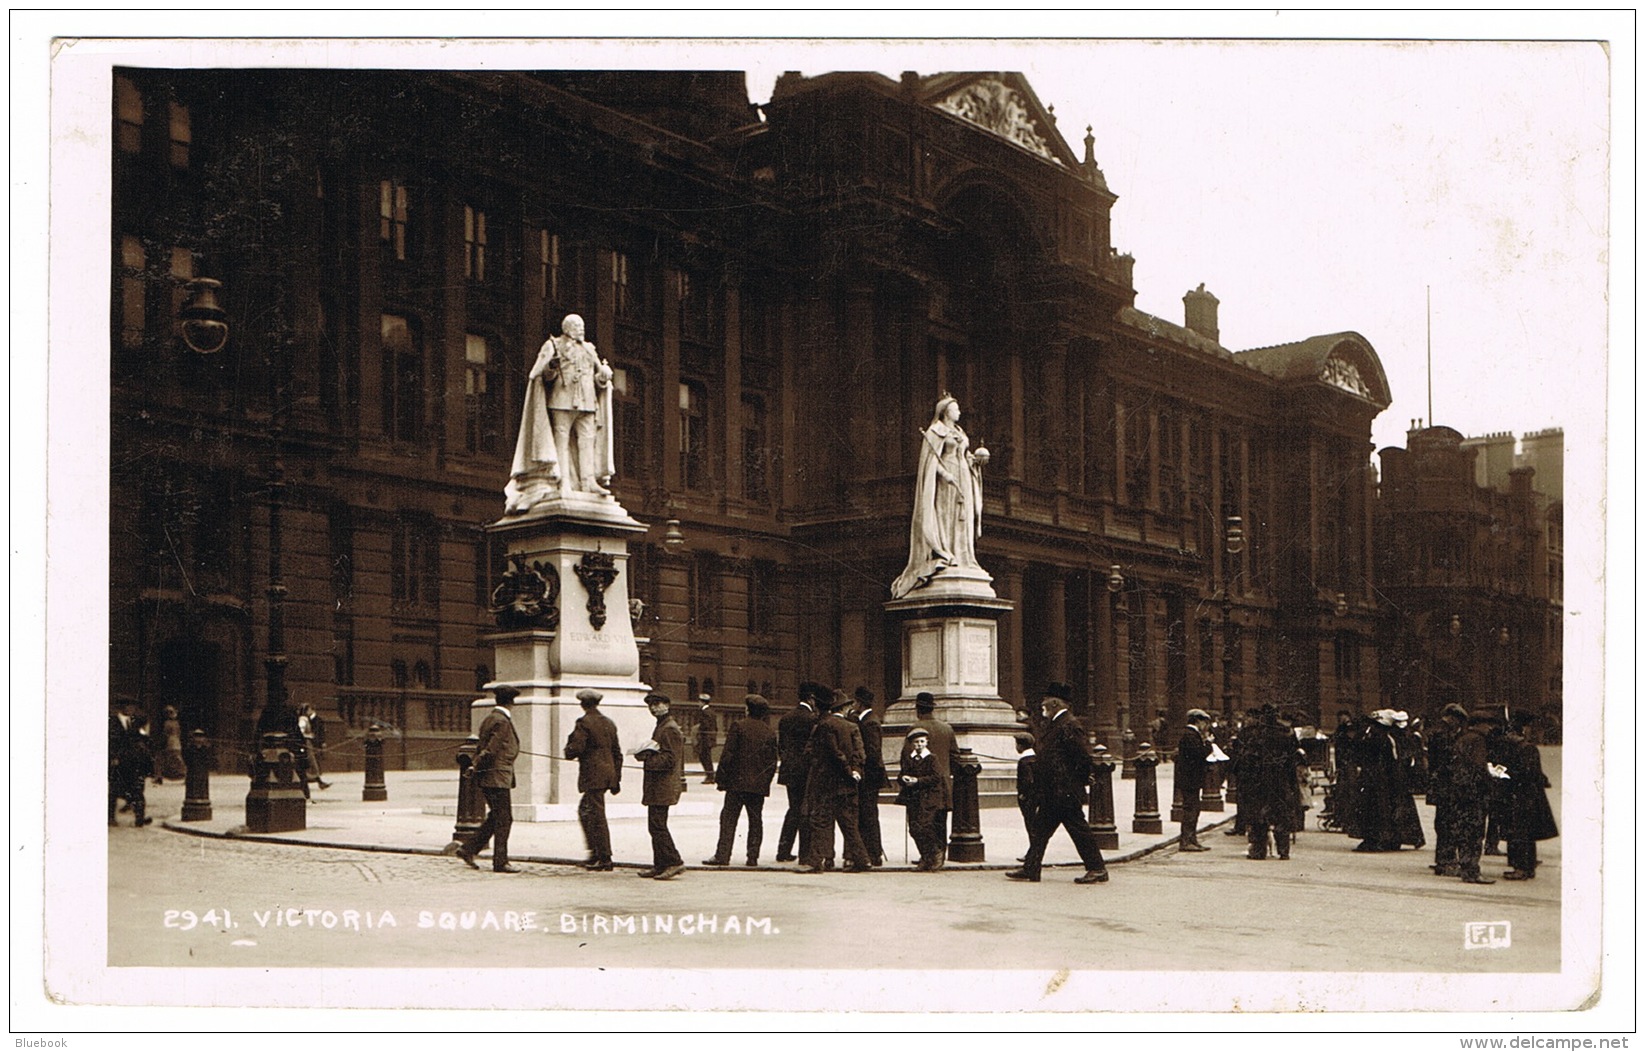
(946, 750)
(493, 771)
(920, 795)
(664, 760)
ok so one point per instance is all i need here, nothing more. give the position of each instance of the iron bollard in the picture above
(276, 803)
(1145, 818)
(197, 780)
(1128, 751)
(1102, 800)
(471, 806)
(1211, 798)
(1176, 803)
(376, 788)
(1230, 792)
(966, 844)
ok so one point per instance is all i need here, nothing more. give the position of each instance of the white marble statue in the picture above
(565, 441)
(947, 501)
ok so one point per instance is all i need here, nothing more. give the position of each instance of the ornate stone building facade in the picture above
(1471, 556)
(784, 292)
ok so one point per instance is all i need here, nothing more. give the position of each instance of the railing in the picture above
(413, 721)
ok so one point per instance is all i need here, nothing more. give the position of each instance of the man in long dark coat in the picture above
(831, 789)
(944, 747)
(664, 760)
(747, 764)
(1441, 747)
(1471, 779)
(873, 775)
(493, 771)
(1529, 817)
(705, 736)
(1385, 815)
(599, 755)
(1063, 771)
(1268, 794)
(1188, 777)
(793, 744)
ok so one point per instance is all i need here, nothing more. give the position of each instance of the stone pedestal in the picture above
(564, 625)
(950, 648)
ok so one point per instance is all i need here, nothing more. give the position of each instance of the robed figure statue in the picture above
(947, 501)
(565, 442)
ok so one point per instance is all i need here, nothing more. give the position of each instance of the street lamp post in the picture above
(1233, 545)
(275, 802)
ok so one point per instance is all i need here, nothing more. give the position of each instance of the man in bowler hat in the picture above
(831, 789)
(793, 749)
(747, 765)
(1471, 778)
(873, 774)
(493, 772)
(943, 746)
(599, 755)
(1063, 771)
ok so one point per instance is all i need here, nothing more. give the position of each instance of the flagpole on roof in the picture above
(1428, 290)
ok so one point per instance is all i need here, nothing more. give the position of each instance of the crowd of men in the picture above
(1481, 773)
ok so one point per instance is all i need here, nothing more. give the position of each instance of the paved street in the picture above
(1328, 909)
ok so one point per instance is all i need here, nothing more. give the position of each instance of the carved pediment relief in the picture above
(1340, 372)
(998, 107)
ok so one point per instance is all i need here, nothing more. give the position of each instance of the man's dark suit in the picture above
(494, 774)
(1189, 780)
(1061, 772)
(793, 741)
(873, 780)
(599, 755)
(748, 762)
(831, 791)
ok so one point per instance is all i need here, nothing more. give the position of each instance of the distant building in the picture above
(784, 292)
(1470, 554)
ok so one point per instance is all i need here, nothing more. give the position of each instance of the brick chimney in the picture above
(1200, 312)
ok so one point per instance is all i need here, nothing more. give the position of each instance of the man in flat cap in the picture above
(599, 755)
(1063, 772)
(1188, 778)
(663, 758)
(946, 750)
(1471, 777)
(747, 765)
(793, 745)
(493, 771)
(831, 788)
(873, 774)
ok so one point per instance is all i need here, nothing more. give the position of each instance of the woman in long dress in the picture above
(947, 516)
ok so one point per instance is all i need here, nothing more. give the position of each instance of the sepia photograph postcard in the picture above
(1000, 523)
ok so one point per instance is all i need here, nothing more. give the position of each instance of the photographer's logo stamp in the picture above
(1487, 935)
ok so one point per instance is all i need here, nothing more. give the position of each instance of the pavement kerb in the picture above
(958, 867)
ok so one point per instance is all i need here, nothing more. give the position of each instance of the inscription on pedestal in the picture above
(977, 654)
(925, 655)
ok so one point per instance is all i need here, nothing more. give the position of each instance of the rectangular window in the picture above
(628, 401)
(393, 206)
(128, 116)
(704, 590)
(133, 291)
(762, 598)
(693, 435)
(414, 571)
(182, 136)
(402, 379)
(490, 563)
(474, 243)
(548, 259)
(1137, 462)
(182, 272)
(697, 319)
(756, 487)
(342, 554)
(619, 284)
(482, 398)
